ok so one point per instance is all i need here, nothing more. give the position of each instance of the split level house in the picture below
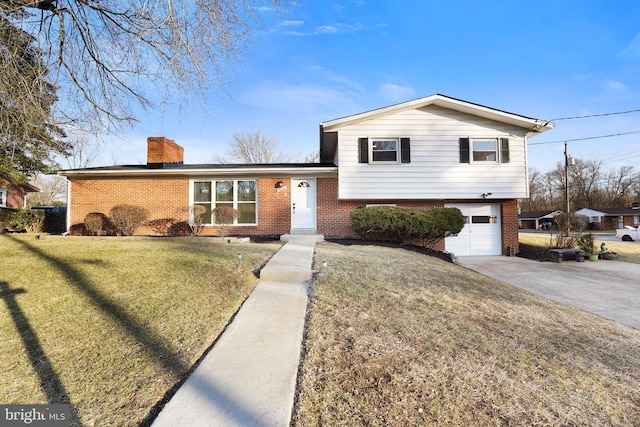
(427, 153)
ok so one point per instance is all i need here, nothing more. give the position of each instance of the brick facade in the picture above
(509, 222)
(169, 198)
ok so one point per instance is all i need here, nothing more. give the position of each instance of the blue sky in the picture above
(321, 60)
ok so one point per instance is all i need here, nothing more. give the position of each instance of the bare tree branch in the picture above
(106, 55)
(254, 147)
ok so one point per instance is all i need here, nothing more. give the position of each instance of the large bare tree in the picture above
(106, 56)
(254, 147)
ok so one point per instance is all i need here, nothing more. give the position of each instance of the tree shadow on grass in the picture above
(49, 380)
(154, 345)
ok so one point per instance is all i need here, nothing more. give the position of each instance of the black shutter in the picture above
(364, 150)
(504, 147)
(464, 150)
(405, 150)
(328, 146)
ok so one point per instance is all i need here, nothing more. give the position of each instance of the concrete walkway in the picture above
(610, 289)
(249, 376)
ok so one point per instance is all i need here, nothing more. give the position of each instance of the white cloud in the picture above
(284, 27)
(333, 77)
(301, 98)
(395, 92)
(291, 23)
(615, 85)
(632, 51)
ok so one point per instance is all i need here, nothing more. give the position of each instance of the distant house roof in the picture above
(538, 214)
(30, 188)
(611, 211)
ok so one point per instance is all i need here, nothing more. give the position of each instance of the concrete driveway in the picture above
(610, 289)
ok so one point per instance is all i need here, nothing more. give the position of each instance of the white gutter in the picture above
(178, 172)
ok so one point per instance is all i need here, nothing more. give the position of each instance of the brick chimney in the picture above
(163, 153)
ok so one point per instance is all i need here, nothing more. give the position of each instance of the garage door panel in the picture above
(481, 234)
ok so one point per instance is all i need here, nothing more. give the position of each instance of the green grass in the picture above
(109, 325)
(398, 338)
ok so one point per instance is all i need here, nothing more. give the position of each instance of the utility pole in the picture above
(566, 187)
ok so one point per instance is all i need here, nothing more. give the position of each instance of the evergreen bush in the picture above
(400, 224)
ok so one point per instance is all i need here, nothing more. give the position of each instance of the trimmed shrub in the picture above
(181, 228)
(399, 224)
(78, 230)
(196, 218)
(225, 216)
(96, 223)
(162, 225)
(127, 218)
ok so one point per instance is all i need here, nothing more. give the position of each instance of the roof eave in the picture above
(325, 171)
(533, 126)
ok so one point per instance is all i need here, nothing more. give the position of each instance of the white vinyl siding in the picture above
(435, 171)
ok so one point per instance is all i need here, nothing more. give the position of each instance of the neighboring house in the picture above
(431, 152)
(537, 220)
(611, 218)
(15, 195)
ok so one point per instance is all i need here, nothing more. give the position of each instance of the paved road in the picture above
(610, 289)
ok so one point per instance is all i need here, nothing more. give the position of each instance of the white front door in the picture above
(303, 204)
(481, 235)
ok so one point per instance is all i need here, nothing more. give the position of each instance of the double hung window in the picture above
(236, 194)
(3, 197)
(485, 150)
(384, 150)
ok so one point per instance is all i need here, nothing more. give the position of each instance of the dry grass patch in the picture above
(628, 251)
(109, 325)
(398, 338)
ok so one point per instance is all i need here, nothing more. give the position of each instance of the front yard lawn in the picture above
(396, 338)
(109, 325)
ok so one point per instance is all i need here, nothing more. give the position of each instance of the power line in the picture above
(586, 138)
(594, 115)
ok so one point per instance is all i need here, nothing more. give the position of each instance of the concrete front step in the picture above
(292, 263)
(311, 237)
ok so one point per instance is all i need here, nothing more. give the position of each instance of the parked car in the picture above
(628, 233)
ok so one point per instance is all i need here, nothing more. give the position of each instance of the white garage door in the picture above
(481, 234)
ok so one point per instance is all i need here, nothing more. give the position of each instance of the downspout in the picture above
(68, 219)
